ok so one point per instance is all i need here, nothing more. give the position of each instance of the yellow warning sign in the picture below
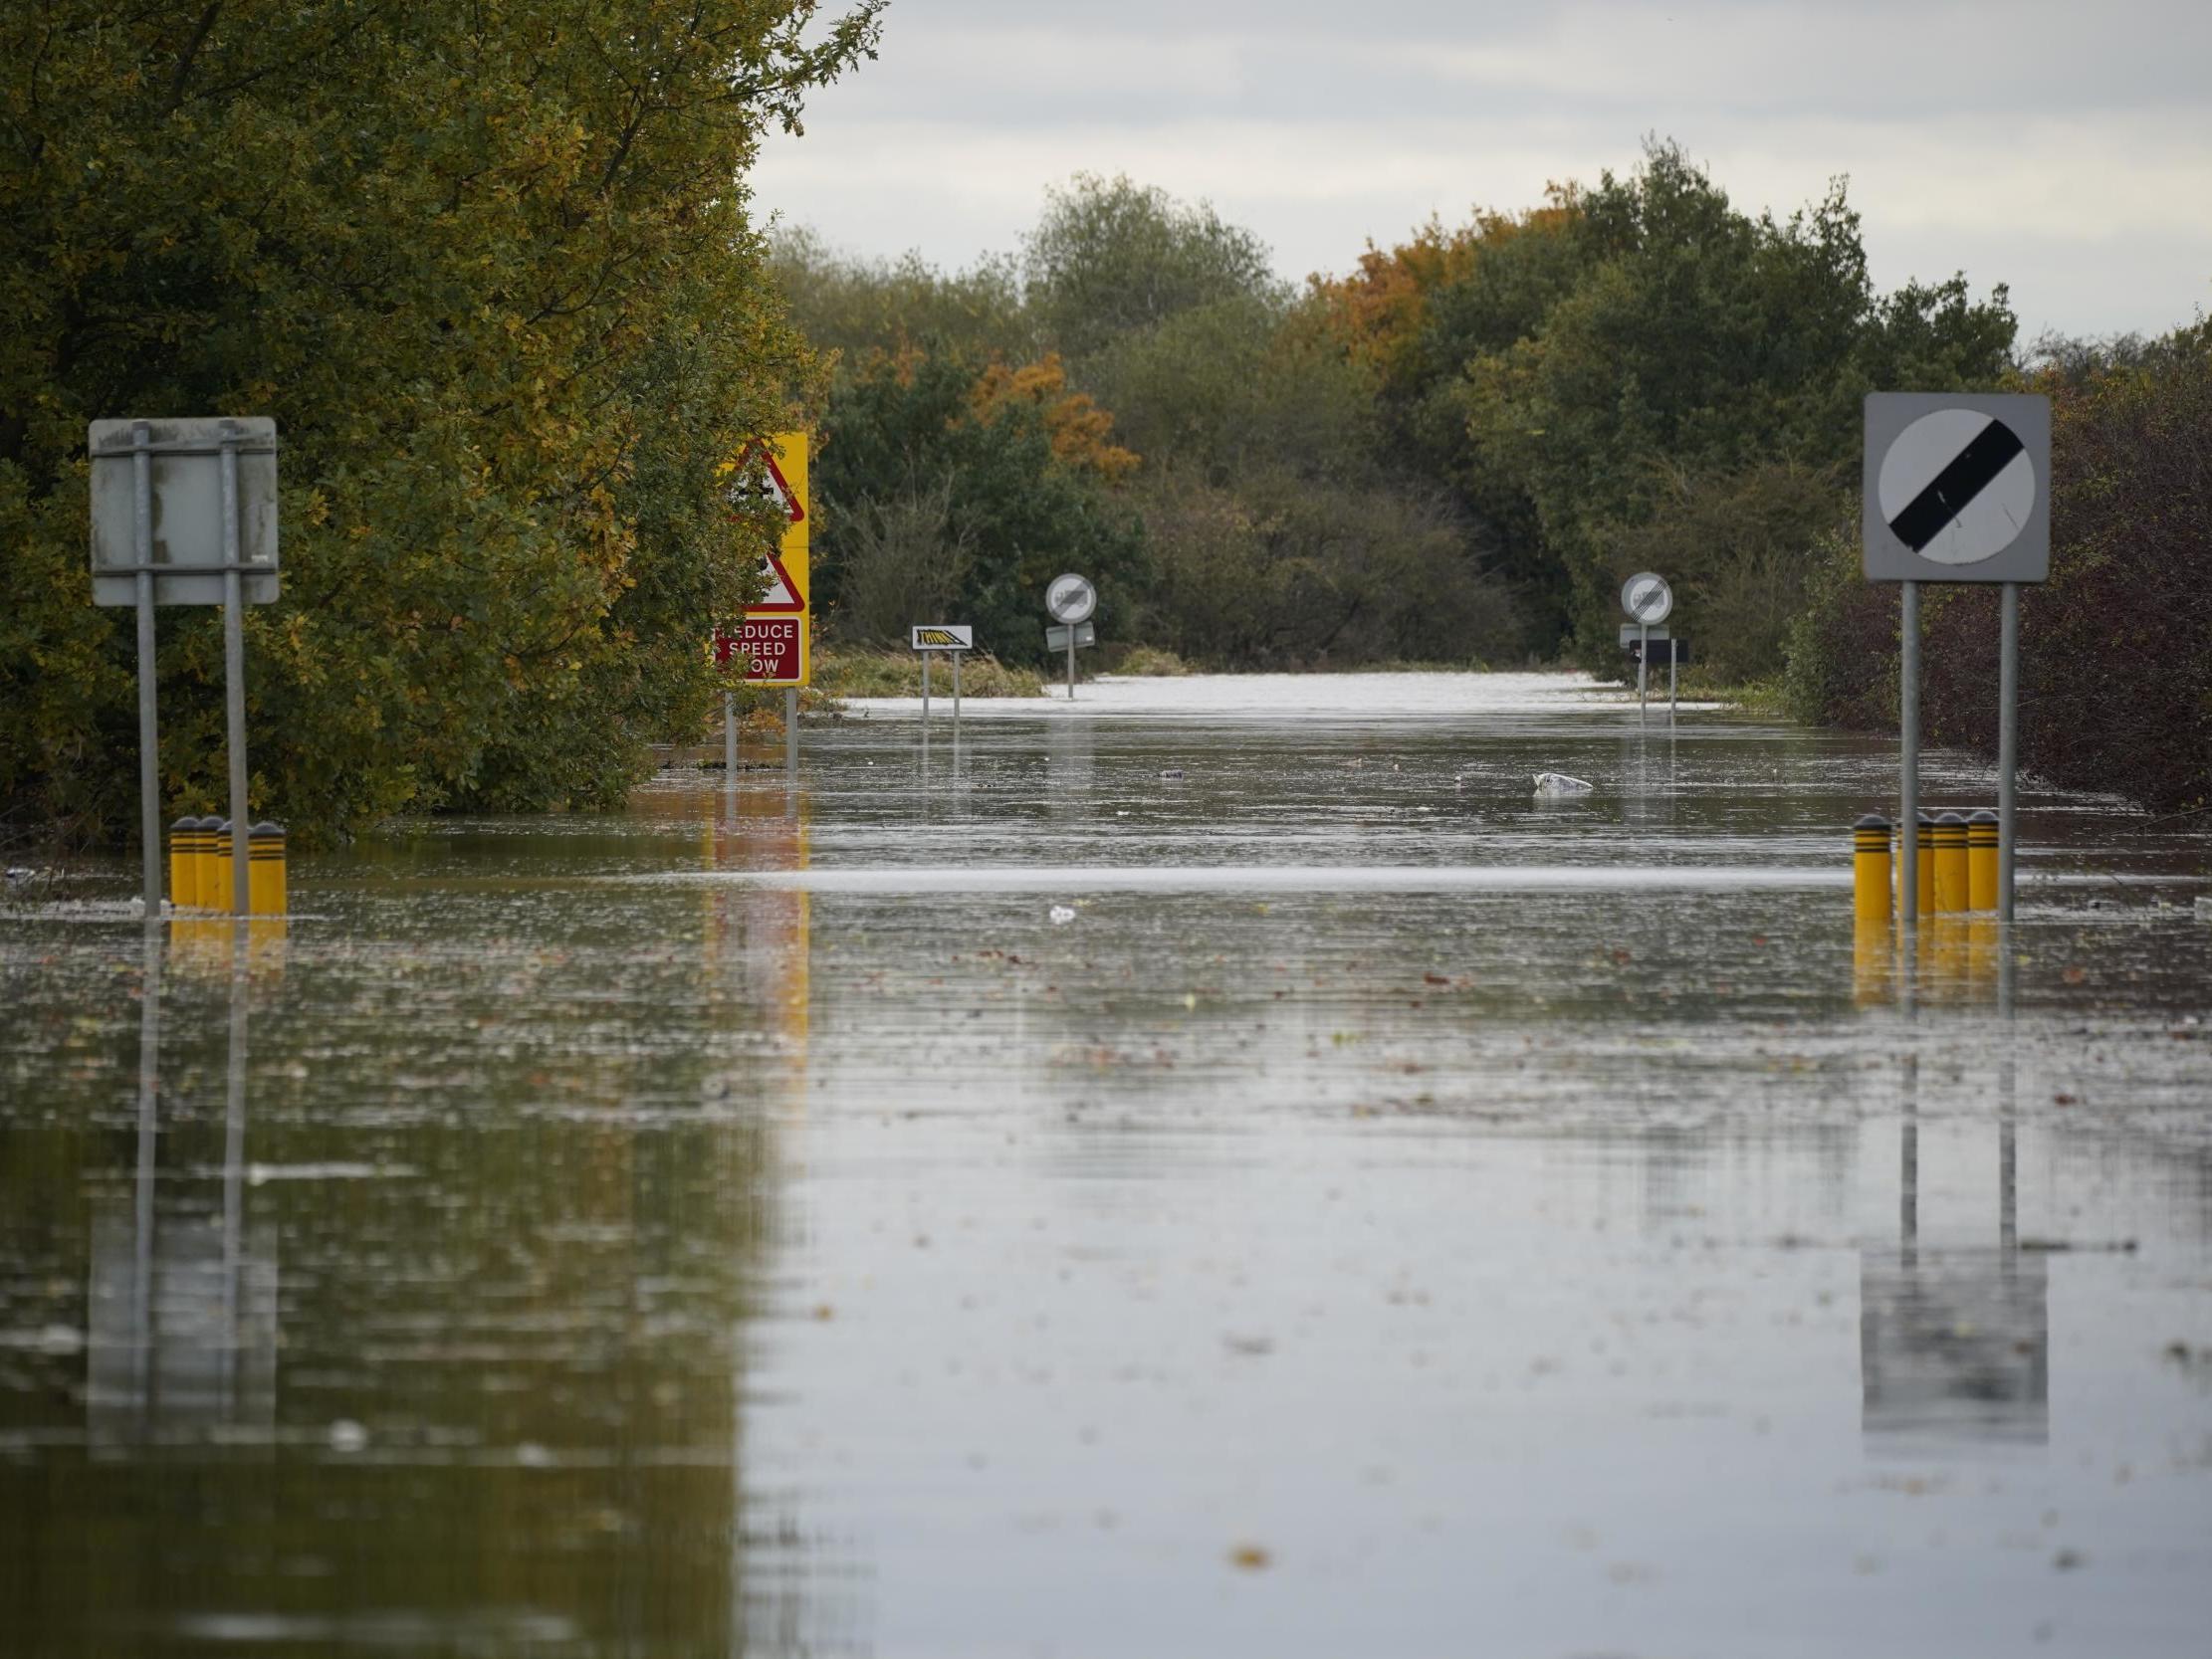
(776, 637)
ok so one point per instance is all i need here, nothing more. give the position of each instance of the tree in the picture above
(961, 467)
(1109, 256)
(491, 270)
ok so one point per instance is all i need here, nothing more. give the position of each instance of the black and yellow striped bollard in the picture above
(1869, 869)
(217, 872)
(184, 864)
(1951, 896)
(1924, 864)
(1981, 860)
(265, 870)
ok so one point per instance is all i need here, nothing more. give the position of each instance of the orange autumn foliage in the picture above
(1079, 429)
(1377, 311)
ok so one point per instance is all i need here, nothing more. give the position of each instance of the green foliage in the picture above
(873, 670)
(857, 307)
(1591, 365)
(1698, 342)
(1738, 548)
(1109, 258)
(1235, 387)
(912, 470)
(1274, 573)
(488, 269)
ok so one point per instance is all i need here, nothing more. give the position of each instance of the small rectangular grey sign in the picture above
(1957, 487)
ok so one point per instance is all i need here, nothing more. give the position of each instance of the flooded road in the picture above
(1220, 1167)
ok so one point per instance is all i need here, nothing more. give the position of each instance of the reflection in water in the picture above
(493, 1400)
(182, 1326)
(645, 1266)
(1955, 1343)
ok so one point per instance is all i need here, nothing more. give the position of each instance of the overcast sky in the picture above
(2062, 148)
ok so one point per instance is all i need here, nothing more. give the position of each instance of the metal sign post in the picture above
(2008, 743)
(1909, 758)
(234, 676)
(1956, 488)
(1649, 600)
(192, 520)
(1071, 600)
(150, 732)
(955, 639)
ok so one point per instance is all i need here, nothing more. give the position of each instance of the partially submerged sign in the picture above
(1956, 486)
(944, 636)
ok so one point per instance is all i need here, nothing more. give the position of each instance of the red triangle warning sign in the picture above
(783, 592)
(760, 479)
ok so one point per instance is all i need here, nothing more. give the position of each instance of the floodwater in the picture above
(1216, 1168)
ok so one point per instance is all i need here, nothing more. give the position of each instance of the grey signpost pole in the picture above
(149, 732)
(1643, 672)
(729, 737)
(1909, 758)
(234, 674)
(791, 733)
(2008, 744)
(1072, 662)
(1674, 654)
(926, 657)
(956, 693)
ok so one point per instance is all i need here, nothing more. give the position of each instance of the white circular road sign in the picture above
(1070, 598)
(1956, 486)
(1647, 597)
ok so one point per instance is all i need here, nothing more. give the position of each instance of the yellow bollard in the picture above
(1924, 863)
(209, 887)
(1981, 861)
(1950, 864)
(215, 873)
(265, 870)
(185, 865)
(1869, 869)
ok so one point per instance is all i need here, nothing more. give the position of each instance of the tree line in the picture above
(492, 269)
(1453, 454)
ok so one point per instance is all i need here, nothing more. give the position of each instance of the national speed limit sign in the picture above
(1647, 597)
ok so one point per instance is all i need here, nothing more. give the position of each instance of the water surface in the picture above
(1010, 1198)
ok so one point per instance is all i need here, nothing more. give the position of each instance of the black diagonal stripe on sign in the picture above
(1947, 494)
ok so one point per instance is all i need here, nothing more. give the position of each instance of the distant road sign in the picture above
(1056, 639)
(944, 636)
(1660, 650)
(1956, 486)
(1631, 632)
(1647, 597)
(1070, 598)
